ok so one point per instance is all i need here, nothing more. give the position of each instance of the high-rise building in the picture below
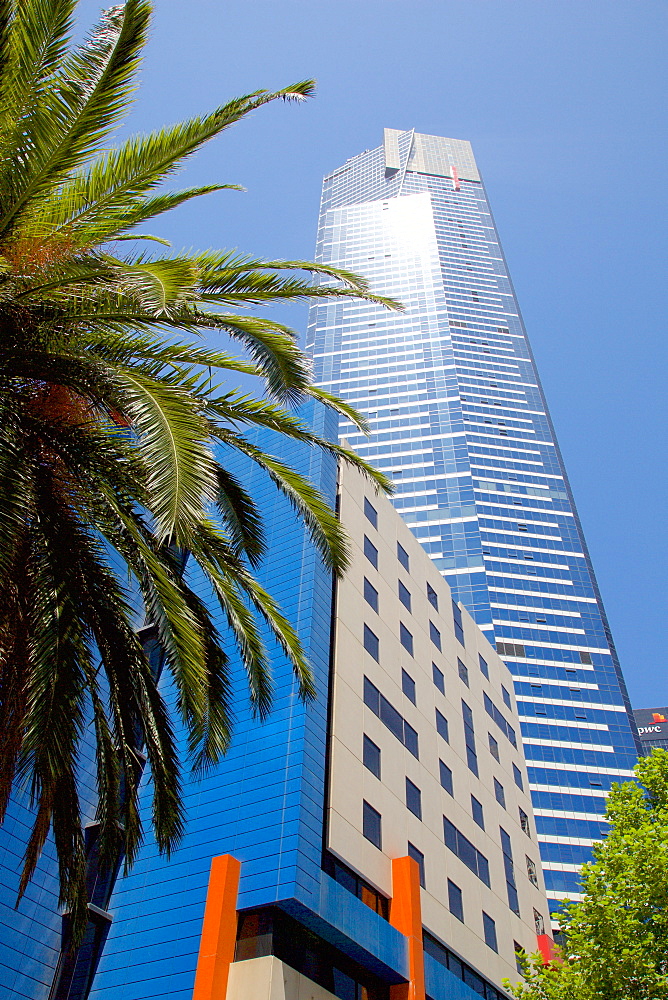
(374, 844)
(460, 423)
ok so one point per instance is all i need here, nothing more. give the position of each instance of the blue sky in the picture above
(563, 101)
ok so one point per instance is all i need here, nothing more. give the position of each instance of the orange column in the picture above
(406, 916)
(219, 930)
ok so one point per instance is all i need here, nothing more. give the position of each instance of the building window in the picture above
(432, 596)
(511, 648)
(402, 556)
(371, 595)
(469, 737)
(509, 868)
(457, 617)
(404, 596)
(462, 847)
(371, 756)
(499, 793)
(442, 726)
(477, 813)
(371, 825)
(419, 857)
(371, 552)
(408, 686)
(585, 658)
(493, 747)
(390, 718)
(532, 871)
(446, 777)
(370, 513)
(484, 669)
(539, 923)
(405, 638)
(371, 643)
(506, 697)
(489, 928)
(434, 635)
(520, 958)
(439, 679)
(524, 823)
(517, 775)
(463, 672)
(455, 902)
(413, 798)
(499, 718)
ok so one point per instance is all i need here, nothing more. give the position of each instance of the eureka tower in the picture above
(459, 421)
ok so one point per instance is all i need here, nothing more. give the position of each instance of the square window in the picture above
(517, 775)
(371, 756)
(442, 726)
(432, 596)
(371, 552)
(476, 812)
(371, 643)
(439, 679)
(371, 595)
(434, 635)
(413, 798)
(446, 777)
(493, 747)
(455, 904)
(585, 658)
(506, 697)
(419, 857)
(462, 670)
(371, 825)
(524, 823)
(408, 686)
(499, 793)
(402, 555)
(405, 638)
(370, 513)
(484, 669)
(404, 596)
(489, 928)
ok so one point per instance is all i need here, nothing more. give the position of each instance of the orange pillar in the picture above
(219, 930)
(406, 916)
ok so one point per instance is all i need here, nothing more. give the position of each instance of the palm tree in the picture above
(112, 411)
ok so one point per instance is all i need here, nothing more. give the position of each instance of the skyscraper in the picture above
(460, 422)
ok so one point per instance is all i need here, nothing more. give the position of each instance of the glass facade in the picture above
(460, 423)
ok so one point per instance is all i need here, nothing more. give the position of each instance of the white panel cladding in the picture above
(351, 783)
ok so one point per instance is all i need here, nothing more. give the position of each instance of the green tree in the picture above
(617, 935)
(113, 413)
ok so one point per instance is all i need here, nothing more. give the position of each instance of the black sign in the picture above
(652, 723)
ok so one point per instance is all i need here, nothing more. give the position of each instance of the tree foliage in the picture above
(617, 935)
(115, 403)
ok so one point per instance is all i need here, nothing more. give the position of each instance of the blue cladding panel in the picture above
(264, 803)
(30, 935)
(441, 984)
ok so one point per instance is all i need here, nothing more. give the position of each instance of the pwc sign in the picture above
(652, 723)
